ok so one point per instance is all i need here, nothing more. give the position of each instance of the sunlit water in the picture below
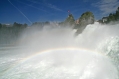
(57, 54)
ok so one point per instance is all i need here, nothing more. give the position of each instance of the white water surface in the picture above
(55, 53)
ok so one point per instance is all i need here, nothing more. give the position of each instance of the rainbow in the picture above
(58, 49)
(48, 51)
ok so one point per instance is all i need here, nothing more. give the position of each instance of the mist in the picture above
(56, 53)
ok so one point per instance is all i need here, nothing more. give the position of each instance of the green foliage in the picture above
(40, 25)
(85, 19)
(69, 20)
(86, 15)
(37, 24)
(0, 25)
(20, 26)
(10, 33)
(112, 17)
(61, 23)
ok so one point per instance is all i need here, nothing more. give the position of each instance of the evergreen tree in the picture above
(70, 20)
(117, 14)
(0, 25)
(25, 25)
(118, 9)
(113, 17)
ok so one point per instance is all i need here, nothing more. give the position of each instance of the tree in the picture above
(113, 17)
(117, 14)
(18, 25)
(0, 25)
(15, 24)
(69, 20)
(85, 19)
(118, 9)
(47, 23)
(25, 25)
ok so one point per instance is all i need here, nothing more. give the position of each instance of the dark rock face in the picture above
(79, 29)
(85, 19)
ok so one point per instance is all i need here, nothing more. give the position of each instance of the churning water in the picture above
(55, 53)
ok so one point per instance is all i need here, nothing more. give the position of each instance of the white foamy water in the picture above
(57, 54)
